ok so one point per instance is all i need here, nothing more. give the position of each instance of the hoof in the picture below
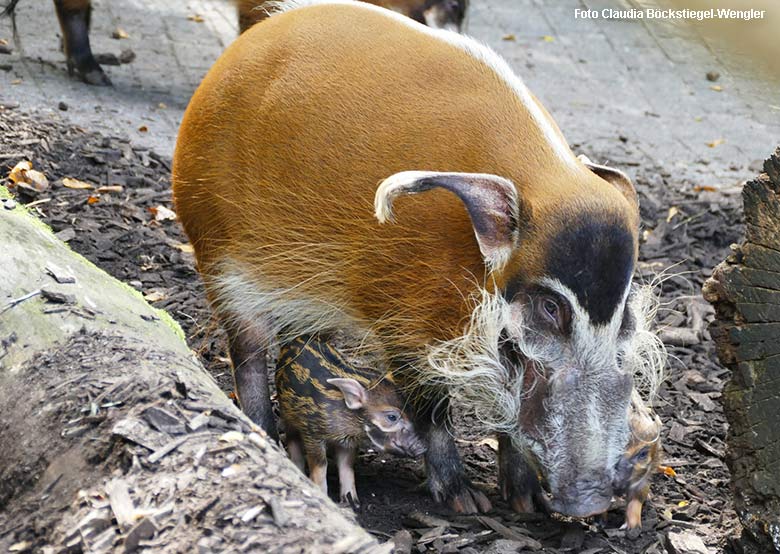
(469, 501)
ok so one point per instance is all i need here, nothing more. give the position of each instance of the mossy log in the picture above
(745, 291)
(113, 437)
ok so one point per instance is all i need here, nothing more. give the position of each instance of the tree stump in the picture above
(113, 437)
(745, 291)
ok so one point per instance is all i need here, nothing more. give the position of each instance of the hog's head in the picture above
(552, 348)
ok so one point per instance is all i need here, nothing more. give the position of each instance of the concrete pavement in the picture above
(631, 91)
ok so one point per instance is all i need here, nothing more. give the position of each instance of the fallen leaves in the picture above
(716, 88)
(196, 17)
(716, 142)
(67, 182)
(704, 188)
(24, 176)
(119, 33)
(161, 213)
(548, 38)
(509, 37)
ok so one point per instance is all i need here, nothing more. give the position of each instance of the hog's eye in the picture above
(554, 311)
(392, 417)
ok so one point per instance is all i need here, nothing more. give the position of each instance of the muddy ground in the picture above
(687, 229)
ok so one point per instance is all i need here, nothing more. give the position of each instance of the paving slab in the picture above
(631, 90)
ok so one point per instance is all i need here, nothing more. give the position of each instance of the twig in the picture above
(21, 299)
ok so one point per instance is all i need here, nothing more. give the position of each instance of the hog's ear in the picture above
(491, 201)
(615, 177)
(355, 395)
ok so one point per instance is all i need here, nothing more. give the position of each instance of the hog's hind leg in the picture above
(248, 349)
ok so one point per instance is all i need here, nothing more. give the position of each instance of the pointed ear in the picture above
(355, 395)
(491, 201)
(615, 177)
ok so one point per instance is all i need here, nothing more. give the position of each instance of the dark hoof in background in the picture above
(95, 77)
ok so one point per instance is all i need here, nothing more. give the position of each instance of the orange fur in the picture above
(283, 145)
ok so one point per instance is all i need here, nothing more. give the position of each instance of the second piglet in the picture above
(326, 401)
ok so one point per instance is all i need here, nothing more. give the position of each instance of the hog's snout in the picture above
(584, 498)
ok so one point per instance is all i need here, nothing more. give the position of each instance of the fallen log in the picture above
(745, 291)
(114, 438)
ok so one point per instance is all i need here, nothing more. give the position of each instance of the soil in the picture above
(686, 232)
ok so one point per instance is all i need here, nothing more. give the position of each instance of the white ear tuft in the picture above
(491, 201)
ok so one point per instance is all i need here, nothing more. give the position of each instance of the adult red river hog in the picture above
(345, 168)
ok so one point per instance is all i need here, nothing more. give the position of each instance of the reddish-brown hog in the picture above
(504, 281)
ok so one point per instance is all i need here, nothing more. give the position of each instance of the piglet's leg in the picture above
(318, 464)
(345, 458)
(295, 449)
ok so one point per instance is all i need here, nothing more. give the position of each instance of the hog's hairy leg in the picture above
(345, 459)
(447, 481)
(74, 17)
(517, 480)
(250, 372)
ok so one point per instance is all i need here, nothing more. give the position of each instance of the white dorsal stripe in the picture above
(474, 48)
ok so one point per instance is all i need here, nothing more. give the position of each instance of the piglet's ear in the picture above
(615, 177)
(355, 395)
(491, 201)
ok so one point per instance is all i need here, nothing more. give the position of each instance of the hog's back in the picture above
(285, 141)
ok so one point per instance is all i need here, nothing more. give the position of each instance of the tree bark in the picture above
(113, 437)
(745, 290)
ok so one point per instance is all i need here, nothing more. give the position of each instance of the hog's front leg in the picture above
(316, 457)
(517, 480)
(74, 16)
(446, 477)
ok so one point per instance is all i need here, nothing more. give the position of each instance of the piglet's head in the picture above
(385, 422)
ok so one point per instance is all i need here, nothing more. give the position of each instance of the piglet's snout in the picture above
(409, 444)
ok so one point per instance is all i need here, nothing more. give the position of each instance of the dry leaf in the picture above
(548, 38)
(23, 174)
(119, 33)
(682, 503)
(673, 211)
(716, 88)
(16, 82)
(716, 142)
(510, 36)
(110, 188)
(197, 18)
(162, 105)
(161, 213)
(17, 173)
(93, 199)
(704, 188)
(143, 129)
(185, 247)
(232, 436)
(3, 42)
(75, 184)
(155, 296)
(668, 471)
